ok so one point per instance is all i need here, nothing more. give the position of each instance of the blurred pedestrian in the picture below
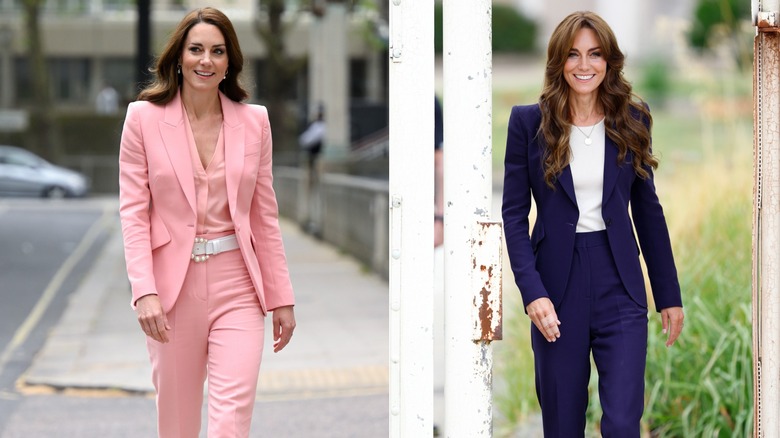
(199, 219)
(310, 141)
(107, 100)
(583, 154)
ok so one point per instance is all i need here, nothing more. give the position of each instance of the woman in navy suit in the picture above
(583, 154)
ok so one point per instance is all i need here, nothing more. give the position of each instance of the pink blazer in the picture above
(157, 200)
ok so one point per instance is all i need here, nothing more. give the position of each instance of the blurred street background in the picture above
(72, 361)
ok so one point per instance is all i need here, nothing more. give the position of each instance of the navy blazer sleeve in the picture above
(653, 233)
(523, 125)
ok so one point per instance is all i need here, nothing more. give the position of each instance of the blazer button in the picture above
(608, 222)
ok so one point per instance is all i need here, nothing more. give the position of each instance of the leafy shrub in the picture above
(512, 31)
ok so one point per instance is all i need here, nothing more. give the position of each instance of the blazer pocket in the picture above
(158, 233)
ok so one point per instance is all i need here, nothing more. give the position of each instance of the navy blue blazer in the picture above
(541, 262)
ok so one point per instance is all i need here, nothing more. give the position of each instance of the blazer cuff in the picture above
(134, 300)
(281, 305)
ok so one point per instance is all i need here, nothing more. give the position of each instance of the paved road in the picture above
(47, 246)
(86, 374)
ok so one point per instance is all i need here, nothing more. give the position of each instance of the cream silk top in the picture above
(213, 214)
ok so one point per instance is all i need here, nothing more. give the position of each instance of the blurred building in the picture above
(91, 43)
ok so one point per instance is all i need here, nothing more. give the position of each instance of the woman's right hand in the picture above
(152, 318)
(542, 313)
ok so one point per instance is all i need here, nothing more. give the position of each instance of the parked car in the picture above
(22, 173)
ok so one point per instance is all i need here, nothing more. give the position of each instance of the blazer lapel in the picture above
(234, 150)
(174, 136)
(567, 182)
(611, 169)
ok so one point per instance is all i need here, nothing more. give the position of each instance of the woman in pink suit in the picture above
(199, 219)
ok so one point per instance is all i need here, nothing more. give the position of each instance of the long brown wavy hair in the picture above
(166, 81)
(626, 118)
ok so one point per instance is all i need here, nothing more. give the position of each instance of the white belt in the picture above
(205, 248)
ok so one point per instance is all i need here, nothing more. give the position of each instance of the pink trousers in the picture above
(217, 332)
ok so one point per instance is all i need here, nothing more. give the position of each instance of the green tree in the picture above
(40, 133)
(719, 22)
(512, 31)
(281, 70)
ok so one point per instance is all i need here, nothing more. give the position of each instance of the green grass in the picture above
(703, 385)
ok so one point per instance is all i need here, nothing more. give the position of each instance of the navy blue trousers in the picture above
(597, 316)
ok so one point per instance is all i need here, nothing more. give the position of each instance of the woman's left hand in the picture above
(283, 326)
(672, 321)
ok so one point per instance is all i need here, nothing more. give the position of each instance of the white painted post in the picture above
(769, 5)
(467, 70)
(766, 220)
(411, 218)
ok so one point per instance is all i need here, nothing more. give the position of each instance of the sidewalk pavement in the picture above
(339, 347)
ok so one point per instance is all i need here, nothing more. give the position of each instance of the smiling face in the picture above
(204, 59)
(585, 66)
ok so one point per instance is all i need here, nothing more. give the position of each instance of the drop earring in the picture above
(226, 73)
(178, 69)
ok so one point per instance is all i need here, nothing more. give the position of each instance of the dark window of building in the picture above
(118, 73)
(260, 89)
(261, 85)
(23, 80)
(68, 80)
(358, 74)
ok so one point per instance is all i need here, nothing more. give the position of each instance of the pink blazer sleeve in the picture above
(134, 203)
(264, 221)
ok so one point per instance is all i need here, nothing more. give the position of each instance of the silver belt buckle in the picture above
(199, 247)
(203, 248)
(199, 252)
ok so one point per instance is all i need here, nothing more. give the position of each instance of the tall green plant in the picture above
(704, 385)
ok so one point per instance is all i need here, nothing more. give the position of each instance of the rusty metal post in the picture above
(471, 246)
(486, 281)
(411, 218)
(766, 219)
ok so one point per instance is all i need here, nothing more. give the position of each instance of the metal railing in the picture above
(347, 211)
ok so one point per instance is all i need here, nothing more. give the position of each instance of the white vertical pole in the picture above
(411, 218)
(467, 59)
(769, 5)
(766, 226)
